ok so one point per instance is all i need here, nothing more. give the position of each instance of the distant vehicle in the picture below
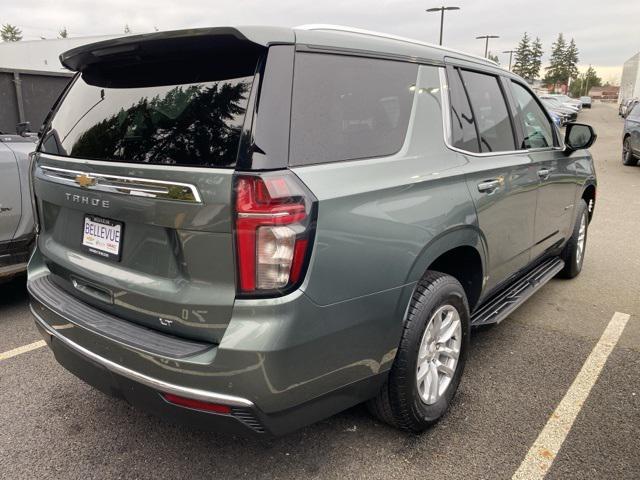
(560, 102)
(586, 102)
(568, 100)
(557, 119)
(627, 105)
(17, 231)
(631, 137)
(567, 113)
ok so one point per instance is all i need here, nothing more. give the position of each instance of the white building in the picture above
(630, 82)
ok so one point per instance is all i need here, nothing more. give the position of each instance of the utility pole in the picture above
(441, 10)
(586, 82)
(486, 42)
(510, 52)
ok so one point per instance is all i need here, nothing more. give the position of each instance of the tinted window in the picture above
(193, 123)
(346, 108)
(490, 111)
(463, 130)
(538, 132)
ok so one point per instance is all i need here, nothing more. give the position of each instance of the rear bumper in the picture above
(282, 363)
(144, 392)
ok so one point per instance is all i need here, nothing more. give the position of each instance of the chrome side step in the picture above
(498, 307)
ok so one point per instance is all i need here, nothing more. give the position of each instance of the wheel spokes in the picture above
(438, 353)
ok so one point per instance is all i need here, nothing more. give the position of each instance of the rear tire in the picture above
(430, 358)
(628, 158)
(574, 250)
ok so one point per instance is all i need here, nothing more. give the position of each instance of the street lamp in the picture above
(510, 52)
(486, 43)
(441, 10)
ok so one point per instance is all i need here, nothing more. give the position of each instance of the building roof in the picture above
(41, 56)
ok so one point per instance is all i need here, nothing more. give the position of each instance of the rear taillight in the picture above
(274, 230)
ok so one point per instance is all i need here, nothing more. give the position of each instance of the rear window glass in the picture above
(347, 108)
(196, 123)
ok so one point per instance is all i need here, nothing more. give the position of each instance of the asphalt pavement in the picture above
(52, 425)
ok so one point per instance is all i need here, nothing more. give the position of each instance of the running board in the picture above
(498, 307)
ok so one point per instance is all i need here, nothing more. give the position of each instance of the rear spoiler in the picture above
(162, 46)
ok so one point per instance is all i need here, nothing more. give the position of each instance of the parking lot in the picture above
(54, 425)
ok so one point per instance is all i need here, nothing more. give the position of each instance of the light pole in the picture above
(510, 52)
(486, 42)
(441, 10)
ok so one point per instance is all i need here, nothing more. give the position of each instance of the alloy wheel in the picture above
(438, 354)
(582, 237)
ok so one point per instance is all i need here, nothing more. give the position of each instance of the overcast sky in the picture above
(606, 32)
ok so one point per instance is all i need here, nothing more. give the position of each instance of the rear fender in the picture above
(460, 236)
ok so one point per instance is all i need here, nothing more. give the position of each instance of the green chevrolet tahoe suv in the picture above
(254, 228)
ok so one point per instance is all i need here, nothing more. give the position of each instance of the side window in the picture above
(346, 108)
(538, 132)
(463, 130)
(490, 111)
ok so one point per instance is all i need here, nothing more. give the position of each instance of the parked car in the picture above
(243, 245)
(17, 232)
(569, 114)
(627, 106)
(586, 102)
(557, 119)
(568, 100)
(631, 137)
(553, 99)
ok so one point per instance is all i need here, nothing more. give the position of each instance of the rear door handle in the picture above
(544, 173)
(489, 186)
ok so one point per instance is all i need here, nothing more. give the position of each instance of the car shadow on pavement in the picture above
(13, 292)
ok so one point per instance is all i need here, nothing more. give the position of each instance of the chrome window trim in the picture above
(446, 124)
(141, 378)
(133, 186)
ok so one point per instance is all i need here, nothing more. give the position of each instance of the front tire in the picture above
(574, 250)
(628, 158)
(430, 358)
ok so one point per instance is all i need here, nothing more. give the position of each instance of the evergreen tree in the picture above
(10, 33)
(493, 57)
(571, 59)
(582, 84)
(536, 60)
(522, 59)
(557, 71)
(63, 33)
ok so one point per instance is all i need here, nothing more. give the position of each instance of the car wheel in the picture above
(628, 158)
(574, 250)
(430, 358)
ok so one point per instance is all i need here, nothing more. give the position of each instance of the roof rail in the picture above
(371, 33)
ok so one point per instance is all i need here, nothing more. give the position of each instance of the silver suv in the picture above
(17, 231)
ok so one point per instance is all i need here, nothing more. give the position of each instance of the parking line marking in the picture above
(21, 350)
(542, 453)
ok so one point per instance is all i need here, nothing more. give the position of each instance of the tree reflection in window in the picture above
(189, 125)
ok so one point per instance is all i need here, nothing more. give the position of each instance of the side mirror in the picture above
(578, 136)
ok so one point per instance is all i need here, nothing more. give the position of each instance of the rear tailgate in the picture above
(133, 179)
(175, 272)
